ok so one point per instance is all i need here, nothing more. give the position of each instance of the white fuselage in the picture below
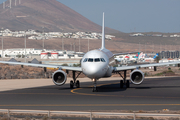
(98, 63)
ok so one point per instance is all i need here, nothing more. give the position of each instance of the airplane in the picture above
(151, 59)
(96, 64)
(144, 57)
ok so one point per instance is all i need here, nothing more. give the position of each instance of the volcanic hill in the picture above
(50, 14)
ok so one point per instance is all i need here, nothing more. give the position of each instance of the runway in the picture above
(152, 94)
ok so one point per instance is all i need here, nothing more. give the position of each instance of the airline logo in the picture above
(155, 55)
(141, 55)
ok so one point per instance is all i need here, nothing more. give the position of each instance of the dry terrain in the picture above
(122, 43)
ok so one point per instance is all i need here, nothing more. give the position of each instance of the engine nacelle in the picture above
(59, 77)
(136, 77)
(109, 72)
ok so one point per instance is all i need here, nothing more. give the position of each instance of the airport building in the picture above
(42, 54)
(169, 55)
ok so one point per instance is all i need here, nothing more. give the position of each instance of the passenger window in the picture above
(90, 60)
(85, 60)
(102, 60)
(97, 60)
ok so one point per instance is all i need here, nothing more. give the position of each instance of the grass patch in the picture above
(164, 73)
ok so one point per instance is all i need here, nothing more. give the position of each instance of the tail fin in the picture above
(140, 55)
(103, 35)
(156, 55)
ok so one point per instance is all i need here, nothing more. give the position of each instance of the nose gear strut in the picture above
(94, 87)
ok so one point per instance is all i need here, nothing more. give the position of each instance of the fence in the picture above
(88, 114)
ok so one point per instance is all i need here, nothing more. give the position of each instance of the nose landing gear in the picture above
(94, 87)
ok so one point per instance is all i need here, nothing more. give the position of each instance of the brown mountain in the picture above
(50, 14)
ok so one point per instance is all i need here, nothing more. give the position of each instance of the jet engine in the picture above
(136, 77)
(59, 77)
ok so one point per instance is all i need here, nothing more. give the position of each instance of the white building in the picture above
(20, 52)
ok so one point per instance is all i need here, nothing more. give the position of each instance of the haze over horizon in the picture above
(130, 16)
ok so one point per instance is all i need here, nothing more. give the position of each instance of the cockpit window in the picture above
(102, 60)
(96, 60)
(90, 60)
(85, 60)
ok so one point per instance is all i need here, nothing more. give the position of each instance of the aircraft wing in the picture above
(125, 53)
(44, 65)
(144, 65)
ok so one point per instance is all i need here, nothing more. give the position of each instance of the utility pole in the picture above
(88, 44)
(71, 46)
(15, 2)
(2, 42)
(19, 1)
(160, 48)
(62, 43)
(43, 38)
(74, 44)
(3, 5)
(25, 46)
(74, 47)
(139, 46)
(10, 3)
(79, 45)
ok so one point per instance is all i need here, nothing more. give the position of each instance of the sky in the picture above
(130, 15)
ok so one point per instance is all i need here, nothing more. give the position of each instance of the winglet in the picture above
(103, 35)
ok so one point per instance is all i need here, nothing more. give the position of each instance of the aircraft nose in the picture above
(94, 71)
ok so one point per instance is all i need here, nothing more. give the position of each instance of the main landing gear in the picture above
(124, 81)
(74, 81)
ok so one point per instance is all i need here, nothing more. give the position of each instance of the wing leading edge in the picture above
(144, 65)
(125, 53)
(44, 65)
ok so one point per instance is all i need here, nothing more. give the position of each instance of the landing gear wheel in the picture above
(121, 84)
(77, 84)
(95, 90)
(127, 84)
(71, 84)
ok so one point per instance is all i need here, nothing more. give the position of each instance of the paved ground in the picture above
(152, 94)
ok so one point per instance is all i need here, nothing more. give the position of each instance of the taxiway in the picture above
(152, 94)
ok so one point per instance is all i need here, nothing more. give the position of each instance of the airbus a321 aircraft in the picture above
(96, 64)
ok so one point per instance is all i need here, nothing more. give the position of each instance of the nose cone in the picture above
(94, 71)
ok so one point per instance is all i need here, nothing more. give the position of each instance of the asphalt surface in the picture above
(152, 94)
